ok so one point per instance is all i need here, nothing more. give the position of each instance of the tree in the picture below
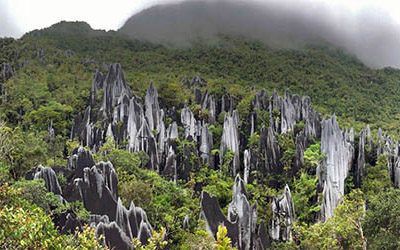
(382, 221)
(304, 197)
(223, 242)
(342, 231)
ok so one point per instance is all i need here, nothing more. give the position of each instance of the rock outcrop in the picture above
(339, 151)
(50, 179)
(98, 190)
(283, 216)
(230, 140)
(241, 221)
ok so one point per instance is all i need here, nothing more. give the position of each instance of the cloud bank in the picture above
(370, 33)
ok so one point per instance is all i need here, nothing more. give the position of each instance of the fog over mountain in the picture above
(7, 25)
(370, 34)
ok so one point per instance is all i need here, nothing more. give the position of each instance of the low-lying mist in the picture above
(369, 34)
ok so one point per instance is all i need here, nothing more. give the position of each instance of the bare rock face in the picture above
(206, 144)
(283, 216)
(133, 222)
(270, 150)
(135, 121)
(172, 131)
(118, 225)
(79, 160)
(208, 103)
(360, 166)
(95, 194)
(290, 112)
(145, 141)
(153, 113)
(110, 177)
(247, 165)
(189, 123)
(50, 179)
(6, 72)
(212, 214)
(115, 89)
(338, 149)
(245, 215)
(241, 222)
(230, 139)
(170, 169)
(311, 118)
(114, 237)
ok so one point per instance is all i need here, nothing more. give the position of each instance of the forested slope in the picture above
(61, 89)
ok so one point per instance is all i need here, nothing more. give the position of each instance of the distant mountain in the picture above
(373, 40)
(182, 23)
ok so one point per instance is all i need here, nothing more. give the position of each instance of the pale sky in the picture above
(20, 16)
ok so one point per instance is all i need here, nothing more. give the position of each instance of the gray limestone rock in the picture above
(339, 151)
(188, 122)
(114, 87)
(146, 142)
(208, 103)
(113, 236)
(50, 179)
(247, 165)
(241, 212)
(230, 140)
(283, 216)
(79, 160)
(152, 108)
(170, 168)
(270, 150)
(360, 166)
(206, 144)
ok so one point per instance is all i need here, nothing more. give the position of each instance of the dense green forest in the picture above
(51, 83)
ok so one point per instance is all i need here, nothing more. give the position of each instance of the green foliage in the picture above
(36, 193)
(165, 203)
(342, 231)
(155, 242)
(382, 221)
(227, 159)
(55, 112)
(313, 157)
(304, 197)
(263, 117)
(200, 239)
(24, 225)
(254, 141)
(122, 159)
(21, 150)
(223, 242)
(377, 178)
(262, 194)
(215, 183)
(4, 173)
(288, 149)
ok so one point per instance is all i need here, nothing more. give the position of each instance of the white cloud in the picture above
(20, 16)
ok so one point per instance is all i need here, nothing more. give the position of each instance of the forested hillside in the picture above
(111, 142)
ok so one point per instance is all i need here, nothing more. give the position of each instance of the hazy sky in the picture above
(20, 16)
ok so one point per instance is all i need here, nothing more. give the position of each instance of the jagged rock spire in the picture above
(152, 108)
(338, 149)
(283, 216)
(188, 122)
(50, 179)
(230, 139)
